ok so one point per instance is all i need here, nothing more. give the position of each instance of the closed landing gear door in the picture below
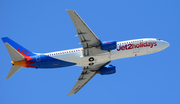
(94, 60)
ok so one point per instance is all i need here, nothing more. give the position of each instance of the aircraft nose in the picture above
(166, 44)
(163, 44)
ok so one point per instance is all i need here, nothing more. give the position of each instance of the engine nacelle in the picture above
(109, 45)
(109, 69)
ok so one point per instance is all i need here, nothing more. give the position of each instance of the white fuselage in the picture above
(124, 49)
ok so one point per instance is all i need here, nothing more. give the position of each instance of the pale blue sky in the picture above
(45, 26)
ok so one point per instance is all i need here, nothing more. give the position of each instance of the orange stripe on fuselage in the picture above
(23, 63)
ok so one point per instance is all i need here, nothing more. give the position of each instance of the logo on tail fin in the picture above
(26, 62)
(28, 57)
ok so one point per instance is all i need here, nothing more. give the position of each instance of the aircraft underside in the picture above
(94, 56)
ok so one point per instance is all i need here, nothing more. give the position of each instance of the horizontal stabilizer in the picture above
(15, 55)
(13, 70)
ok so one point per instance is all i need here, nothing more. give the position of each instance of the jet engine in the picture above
(108, 69)
(109, 45)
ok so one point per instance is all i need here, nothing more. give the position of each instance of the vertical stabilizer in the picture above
(13, 70)
(16, 47)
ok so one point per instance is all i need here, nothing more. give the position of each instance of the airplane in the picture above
(94, 57)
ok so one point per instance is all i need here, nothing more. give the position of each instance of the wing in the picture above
(87, 74)
(91, 43)
(85, 34)
(82, 80)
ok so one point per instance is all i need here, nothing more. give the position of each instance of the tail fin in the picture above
(16, 51)
(13, 70)
(19, 55)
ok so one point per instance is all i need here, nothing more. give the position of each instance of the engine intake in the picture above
(109, 45)
(109, 69)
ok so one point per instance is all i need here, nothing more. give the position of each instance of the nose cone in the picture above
(166, 44)
(163, 45)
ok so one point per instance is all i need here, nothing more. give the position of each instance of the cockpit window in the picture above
(158, 39)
